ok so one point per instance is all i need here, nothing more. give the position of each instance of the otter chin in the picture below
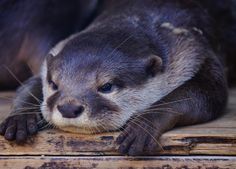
(77, 122)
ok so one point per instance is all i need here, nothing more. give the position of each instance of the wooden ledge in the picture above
(117, 162)
(214, 138)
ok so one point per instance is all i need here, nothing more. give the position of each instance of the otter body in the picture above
(141, 66)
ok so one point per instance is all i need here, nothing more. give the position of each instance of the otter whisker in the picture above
(6, 98)
(26, 108)
(122, 43)
(122, 129)
(11, 99)
(46, 126)
(95, 130)
(40, 121)
(148, 133)
(102, 124)
(148, 121)
(38, 100)
(89, 129)
(119, 126)
(116, 125)
(140, 116)
(50, 125)
(103, 127)
(159, 108)
(53, 126)
(19, 114)
(167, 103)
(160, 111)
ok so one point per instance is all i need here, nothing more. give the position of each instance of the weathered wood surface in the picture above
(117, 162)
(214, 138)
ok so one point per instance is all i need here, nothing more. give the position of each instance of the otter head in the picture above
(88, 88)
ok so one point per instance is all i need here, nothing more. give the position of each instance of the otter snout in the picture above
(70, 110)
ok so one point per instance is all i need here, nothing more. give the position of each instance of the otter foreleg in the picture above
(22, 121)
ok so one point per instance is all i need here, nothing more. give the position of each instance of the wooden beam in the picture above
(114, 162)
(214, 138)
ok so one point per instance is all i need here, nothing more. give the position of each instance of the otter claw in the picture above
(10, 131)
(135, 140)
(19, 128)
(32, 124)
(3, 127)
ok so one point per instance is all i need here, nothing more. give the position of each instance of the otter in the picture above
(143, 67)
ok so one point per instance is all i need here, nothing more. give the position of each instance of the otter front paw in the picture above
(138, 138)
(19, 127)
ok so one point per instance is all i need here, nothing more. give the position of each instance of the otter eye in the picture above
(106, 88)
(52, 85)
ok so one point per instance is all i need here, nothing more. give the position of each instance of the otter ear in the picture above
(154, 65)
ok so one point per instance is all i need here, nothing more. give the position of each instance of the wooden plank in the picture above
(113, 162)
(61, 143)
(214, 138)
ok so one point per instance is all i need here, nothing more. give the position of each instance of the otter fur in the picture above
(143, 67)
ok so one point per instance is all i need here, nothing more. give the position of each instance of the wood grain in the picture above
(214, 138)
(114, 162)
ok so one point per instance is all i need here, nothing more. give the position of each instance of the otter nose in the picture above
(70, 110)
